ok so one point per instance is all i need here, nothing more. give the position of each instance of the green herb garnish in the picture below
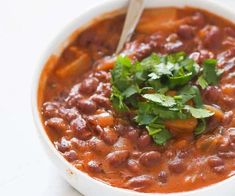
(162, 88)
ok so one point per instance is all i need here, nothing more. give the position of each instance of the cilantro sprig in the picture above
(160, 88)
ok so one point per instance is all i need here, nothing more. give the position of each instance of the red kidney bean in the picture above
(136, 154)
(86, 106)
(226, 155)
(68, 114)
(101, 101)
(94, 166)
(198, 19)
(176, 166)
(213, 37)
(216, 164)
(132, 134)
(78, 124)
(88, 85)
(63, 145)
(186, 31)
(50, 109)
(98, 146)
(176, 46)
(121, 129)
(79, 145)
(150, 159)
(104, 89)
(134, 166)
(80, 127)
(70, 155)
(224, 145)
(144, 140)
(117, 158)
(57, 123)
(219, 169)
(229, 31)
(109, 136)
(215, 161)
(228, 116)
(102, 76)
(232, 135)
(162, 177)
(140, 181)
(212, 94)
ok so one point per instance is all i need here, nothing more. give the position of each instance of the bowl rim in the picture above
(57, 43)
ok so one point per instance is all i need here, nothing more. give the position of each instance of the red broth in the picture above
(74, 100)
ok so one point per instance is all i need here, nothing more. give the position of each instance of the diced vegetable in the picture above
(104, 119)
(76, 67)
(181, 126)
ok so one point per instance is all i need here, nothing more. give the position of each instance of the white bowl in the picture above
(79, 180)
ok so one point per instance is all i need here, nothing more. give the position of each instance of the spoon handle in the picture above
(134, 12)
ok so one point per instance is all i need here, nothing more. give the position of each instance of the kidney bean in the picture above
(215, 161)
(136, 154)
(57, 123)
(219, 169)
(212, 94)
(98, 146)
(198, 19)
(150, 159)
(88, 85)
(132, 134)
(134, 166)
(78, 124)
(140, 181)
(226, 155)
(80, 145)
(212, 37)
(117, 158)
(104, 89)
(121, 129)
(70, 155)
(186, 31)
(102, 76)
(68, 114)
(171, 47)
(101, 101)
(94, 166)
(86, 106)
(63, 145)
(176, 166)
(162, 177)
(224, 145)
(229, 31)
(109, 136)
(228, 116)
(80, 127)
(232, 135)
(50, 109)
(144, 140)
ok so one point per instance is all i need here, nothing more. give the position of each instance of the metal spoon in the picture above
(134, 12)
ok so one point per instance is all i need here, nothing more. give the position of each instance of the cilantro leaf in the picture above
(142, 88)
(162, 137)
(160, 99)
(201, 127)
(198, 112)
(210, 71)
(202, 82)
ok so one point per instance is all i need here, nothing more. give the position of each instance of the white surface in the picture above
(26, 28)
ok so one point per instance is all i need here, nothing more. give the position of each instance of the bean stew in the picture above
(159, 117)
